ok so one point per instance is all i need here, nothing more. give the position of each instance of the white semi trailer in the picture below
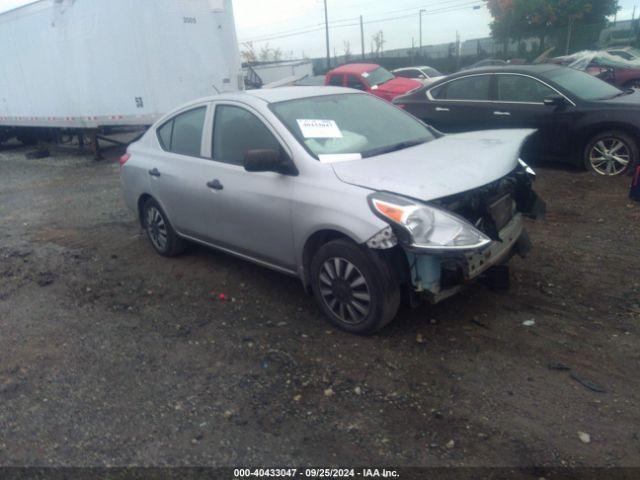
(85, 65)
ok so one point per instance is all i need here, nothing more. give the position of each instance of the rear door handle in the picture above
(502, 114)
(442, 109)
(154, 172)
(215, 184)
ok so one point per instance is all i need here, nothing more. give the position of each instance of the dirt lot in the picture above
(111, 355)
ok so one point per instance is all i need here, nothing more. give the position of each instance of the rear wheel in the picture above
(161, 234)
(611, 153)
(353, 288)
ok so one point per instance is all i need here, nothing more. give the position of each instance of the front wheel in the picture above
(354, 288)
(611, 153)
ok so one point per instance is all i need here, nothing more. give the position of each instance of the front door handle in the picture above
(154, 172)
(441, 109)
(502, 114)
(215, 184)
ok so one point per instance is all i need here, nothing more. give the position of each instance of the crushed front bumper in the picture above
(439, 276)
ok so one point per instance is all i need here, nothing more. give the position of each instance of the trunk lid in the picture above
(446, 166)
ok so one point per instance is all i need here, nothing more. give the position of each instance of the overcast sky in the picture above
(296, 25)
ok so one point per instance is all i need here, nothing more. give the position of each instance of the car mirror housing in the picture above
(268, 161)
(555, 101)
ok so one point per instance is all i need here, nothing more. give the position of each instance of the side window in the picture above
(516, 88)
(183, 133)
(236, 131)
(355, 82)
(439, 93)
(164, 135)
(469, 88)
(336, 81)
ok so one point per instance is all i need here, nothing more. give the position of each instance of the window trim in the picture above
(232, 103)
(430, 97)
(188, 109)
(502, 102)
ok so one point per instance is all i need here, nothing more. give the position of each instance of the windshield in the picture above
(350, 126)
(583, 85)
(378, 76)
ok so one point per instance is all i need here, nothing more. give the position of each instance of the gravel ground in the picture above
(111, 355)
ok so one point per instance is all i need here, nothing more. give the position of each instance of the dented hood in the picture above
(452, 164)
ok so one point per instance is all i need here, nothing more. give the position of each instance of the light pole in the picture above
(422, 10)
(326, 26)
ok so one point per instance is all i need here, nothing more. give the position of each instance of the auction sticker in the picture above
(319, 129)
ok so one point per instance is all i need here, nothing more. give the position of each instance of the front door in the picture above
(249, 212)
(520, 104)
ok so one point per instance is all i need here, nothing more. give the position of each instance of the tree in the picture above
(347, 50)
(517, 19)
(378, 41)
(249, 52)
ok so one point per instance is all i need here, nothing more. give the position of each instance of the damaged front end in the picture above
(452, 241)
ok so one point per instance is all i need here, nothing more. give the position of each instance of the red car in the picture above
(371, 78)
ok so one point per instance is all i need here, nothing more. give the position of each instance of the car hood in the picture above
(446, 166)
(399, 85)
(631, 100)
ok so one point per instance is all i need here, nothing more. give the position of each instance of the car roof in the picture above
(357, 68)
(525, 69)
(275, 95)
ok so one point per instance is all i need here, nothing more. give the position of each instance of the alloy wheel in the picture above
(157, 228)
(610, 156)
(345, 290)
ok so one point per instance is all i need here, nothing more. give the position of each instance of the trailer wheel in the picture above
(27, 139)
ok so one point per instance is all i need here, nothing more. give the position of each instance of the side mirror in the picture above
(268, 161)
(555, 101)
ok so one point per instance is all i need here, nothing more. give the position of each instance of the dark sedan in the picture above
(579, 118)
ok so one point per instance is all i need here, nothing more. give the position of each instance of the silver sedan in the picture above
(361, 201)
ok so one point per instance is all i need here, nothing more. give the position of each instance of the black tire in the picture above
(335, 287)
(160, 233)
(605, 164)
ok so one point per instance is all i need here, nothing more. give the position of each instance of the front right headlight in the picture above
(427, 227)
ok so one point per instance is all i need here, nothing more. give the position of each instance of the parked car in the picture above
(355, 197)
(579, 118)
(487, 62)
(371, 78)
(610, 66)
(423, 74)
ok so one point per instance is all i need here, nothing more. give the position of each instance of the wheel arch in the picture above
(141, 201)
(313, 243)
(591, 131)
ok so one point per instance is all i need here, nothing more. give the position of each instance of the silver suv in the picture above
(357, 198)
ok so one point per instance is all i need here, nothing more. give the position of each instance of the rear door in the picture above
(519, 103)
(176, 171)
(460, 105)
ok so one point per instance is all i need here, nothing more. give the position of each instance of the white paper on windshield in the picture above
(365, 74)
(339, 157)
(319, 128)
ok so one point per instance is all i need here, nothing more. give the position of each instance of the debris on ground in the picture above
(588, 384)
(559, 366)
(529, 323)
(584, 437)
(329, 392)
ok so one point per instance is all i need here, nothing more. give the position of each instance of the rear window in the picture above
(474, 88)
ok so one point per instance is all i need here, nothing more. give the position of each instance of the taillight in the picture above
(124, 159)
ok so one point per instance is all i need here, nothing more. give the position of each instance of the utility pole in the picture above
(362, 37)
(422, 10)
(326, 26)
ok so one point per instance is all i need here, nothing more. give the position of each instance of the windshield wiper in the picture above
(392, 148)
